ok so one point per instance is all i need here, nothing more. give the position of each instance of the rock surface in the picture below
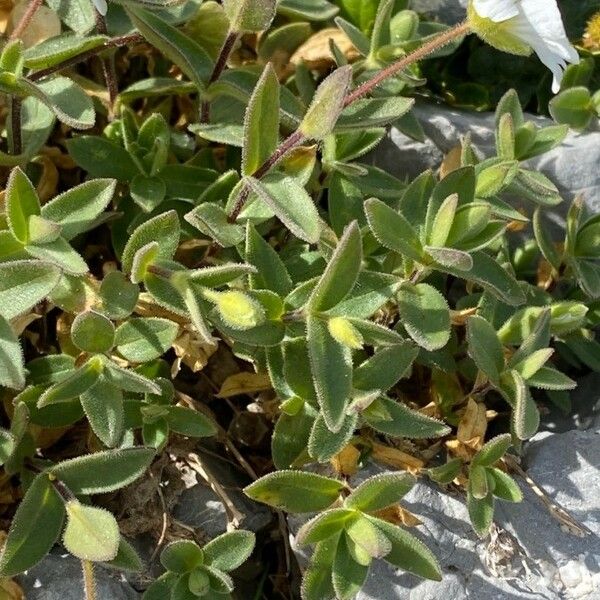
(59, 577)
(573, 166)
(528, 555)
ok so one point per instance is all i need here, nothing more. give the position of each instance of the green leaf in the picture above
(103, 407)
(494, 178)
(478, 483)
(127, 559)
(119, 296)
(565, 317)
(12, 368)
(372, 112)
(425, 315)
(290, 203)
(380, 491)
(147, 192)
(493, 451)
(530, 365)
(393, 230)
(447, 472)
(290, 437)
(481, 512)
(409, 553)
(91, 533)
(93, 332)
(485, 348)
(525, 414)
(104, 471)
(229, 550)
(316, 583)
(213, 221)
(323, 526)
(102, 158)
(249, 15)
(535, 187)
(442, 223)
(24, 283)
(295, 491)
(341, 272)
(182, 556)
(162, 587)
(271, 273)
(386, 367)
(130, 381)
(404, 422)
(72, 385)
(35, 528)
(314, 10)
(547, 378)
(327, 104)
(492, 277)
(164, 227)
(77, 209)
(323, 444)
(331, 367)
(545, 243)
(21, 204)
(573, 107)
(186, 421)
(347, 575)
(189, 56)
(141, 340)
(66, 99)
(261, 123)
(57, 49)
(505, 486)
(367, 536)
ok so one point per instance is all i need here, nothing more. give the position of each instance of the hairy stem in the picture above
(108, 64)
(420, 53)
(15, 137)
(25, 19)
(218, 69)
(298, 138)
(295, 139)
(89, 583)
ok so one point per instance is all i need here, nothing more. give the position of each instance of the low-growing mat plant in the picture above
(185, 184)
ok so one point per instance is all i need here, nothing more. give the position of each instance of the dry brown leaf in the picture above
(451, 162)
(346, 462)
(192, 352)
(10, 590)
(472, 425)
(48, 184)
(459, 317)
(396, 458)
(244, 383)
(6, 7)
(316, 53)
(398, 515)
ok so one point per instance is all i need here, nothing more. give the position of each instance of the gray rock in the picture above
(201, 508)
(527, 556)
(58, 577)
(573, 166)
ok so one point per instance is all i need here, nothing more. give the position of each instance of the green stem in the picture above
(218, 69)
(89, 582)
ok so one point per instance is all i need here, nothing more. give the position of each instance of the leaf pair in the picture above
(197, 572)
(91, 533)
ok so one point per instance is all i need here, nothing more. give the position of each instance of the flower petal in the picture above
(496, 10)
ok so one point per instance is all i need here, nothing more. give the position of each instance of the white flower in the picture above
(520, 26)
(101, 6)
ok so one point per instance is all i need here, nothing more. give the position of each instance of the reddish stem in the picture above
(25, 19)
